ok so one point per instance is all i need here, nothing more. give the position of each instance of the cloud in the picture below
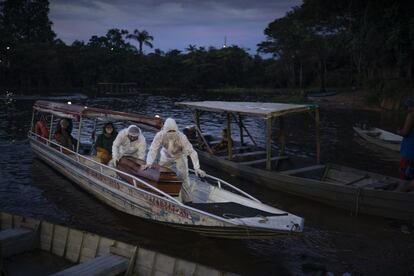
(174, 24)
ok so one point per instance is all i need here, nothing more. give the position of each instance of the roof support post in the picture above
(50, 130)
(245, 129)
(317, 136)
(32, 125)
(282, 137)
(230, 142)
(197, 119)
(241, 130)
(269, 143)
(79, 135)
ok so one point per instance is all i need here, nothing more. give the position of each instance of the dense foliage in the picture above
(321, 43)
(345, 42)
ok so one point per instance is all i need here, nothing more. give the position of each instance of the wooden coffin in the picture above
(160, 177)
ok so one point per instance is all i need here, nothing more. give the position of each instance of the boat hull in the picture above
(394, 146)
(143, 204)
(396, 205)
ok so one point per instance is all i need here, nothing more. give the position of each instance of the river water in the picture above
(333, 240)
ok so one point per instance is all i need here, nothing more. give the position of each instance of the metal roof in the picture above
(266, 110)
(77, 111)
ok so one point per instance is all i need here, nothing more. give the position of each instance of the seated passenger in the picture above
(191, 133)
(223, 143)
(63, 134)
(129, 142)
(103, 144)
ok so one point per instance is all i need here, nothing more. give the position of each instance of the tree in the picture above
(143, 38)
(25, 21)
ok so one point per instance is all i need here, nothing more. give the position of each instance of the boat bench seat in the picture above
(16, 240)
(305, 169)
(383, 185)
(103, 265)
(263, 160)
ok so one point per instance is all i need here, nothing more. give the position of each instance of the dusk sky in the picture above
(174, 24)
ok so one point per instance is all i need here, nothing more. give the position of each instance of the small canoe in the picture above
(380, 137)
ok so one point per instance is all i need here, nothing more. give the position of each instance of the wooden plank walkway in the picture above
(104, 265)
(16, 240)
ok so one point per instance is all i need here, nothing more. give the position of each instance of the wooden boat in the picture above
(347, 188)
(37, 247)
(217, 208)
(380, 137)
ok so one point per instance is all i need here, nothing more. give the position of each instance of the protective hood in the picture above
(170, 124)
(133, 130)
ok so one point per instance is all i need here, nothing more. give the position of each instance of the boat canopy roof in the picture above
(77, 112)
(266, 110)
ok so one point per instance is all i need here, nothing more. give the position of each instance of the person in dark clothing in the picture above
(104, 143)
(223, 143)
(63, 134)
(407, 147)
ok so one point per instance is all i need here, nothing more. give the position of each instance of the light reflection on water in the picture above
(332, 237)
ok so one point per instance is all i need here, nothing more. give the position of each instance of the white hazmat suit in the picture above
(123, 146)
(175, 149)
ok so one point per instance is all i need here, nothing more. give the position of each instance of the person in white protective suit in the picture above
(174, 151)
(129, 142)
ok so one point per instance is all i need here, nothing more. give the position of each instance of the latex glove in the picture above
(146, 166)
(112, 163)
(200, 173)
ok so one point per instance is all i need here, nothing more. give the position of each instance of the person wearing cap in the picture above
(407, 147)
(175, 148)
(129, 142)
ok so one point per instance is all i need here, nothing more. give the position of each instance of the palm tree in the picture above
(143, 38)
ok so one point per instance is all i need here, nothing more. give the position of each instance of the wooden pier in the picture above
(87, 253)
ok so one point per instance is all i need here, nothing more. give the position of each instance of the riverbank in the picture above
(347, 100)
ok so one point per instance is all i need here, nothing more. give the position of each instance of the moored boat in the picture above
(346, 188)
(217, 208)
(380, 138)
